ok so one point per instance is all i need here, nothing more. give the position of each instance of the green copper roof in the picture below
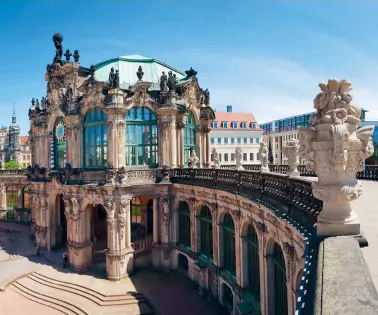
(128, 67)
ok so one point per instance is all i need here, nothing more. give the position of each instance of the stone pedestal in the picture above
(119, 263)
(80, 255)
(335, 150)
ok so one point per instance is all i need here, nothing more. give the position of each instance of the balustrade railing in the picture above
(99, 256)
(143, 244)
(291, 197)
(19, 172)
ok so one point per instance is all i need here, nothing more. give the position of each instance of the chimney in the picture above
(229, 108)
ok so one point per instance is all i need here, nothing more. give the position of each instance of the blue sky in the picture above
(262, 57)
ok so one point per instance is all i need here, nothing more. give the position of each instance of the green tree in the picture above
(11, 164)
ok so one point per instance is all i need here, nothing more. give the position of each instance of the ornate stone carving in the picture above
(113, 82)
(165, 211)
(193, 159)
(290, 150)
(215, 156)
(163, 82)
(263, 152)
(239, 158)
(335, 150)
(124, 213)
(94, 197)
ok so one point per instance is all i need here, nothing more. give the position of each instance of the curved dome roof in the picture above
(128, 67)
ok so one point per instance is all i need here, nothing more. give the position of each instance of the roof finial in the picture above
(14, 114)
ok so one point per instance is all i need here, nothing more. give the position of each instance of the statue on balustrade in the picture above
(193, 159)
(239, 158)
(215, 156)
(263, 152)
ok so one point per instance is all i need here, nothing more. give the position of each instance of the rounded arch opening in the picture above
(94, 138)
(62, 222)
(184, 235)
(141, 137)
(278, 286)
(229, 255)
(99, 227)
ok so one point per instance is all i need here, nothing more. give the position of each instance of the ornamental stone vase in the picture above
(335, 149)
(290, 150)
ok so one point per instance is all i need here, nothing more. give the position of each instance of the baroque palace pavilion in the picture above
(109, 145)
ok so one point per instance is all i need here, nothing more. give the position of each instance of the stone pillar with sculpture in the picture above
(167, 136)
(40, 228)
(78, 241)
(263, 156)
(115, 112)
(290, 150)
(165, 214)
(335, 149)
(119, 257)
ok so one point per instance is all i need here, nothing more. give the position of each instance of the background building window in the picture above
(245, 140)
(253, 125)
(232, 156)
(232, 140)
(239, 140)
(244, 124)
(245, 156)
(215, 124)
(212, 140)
(226, 157)
(142, 137)
(250, 140)
(234, 124)
(251, 156)
(225, 140)
(95, 138)
(225, 124)
(257, 140)
(219, 140)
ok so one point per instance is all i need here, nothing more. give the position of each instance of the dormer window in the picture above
(253, 126)
(244, 124)
(215, 124)
(234, 124)
(225, 124)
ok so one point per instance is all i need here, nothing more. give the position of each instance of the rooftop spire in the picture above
(14, 115)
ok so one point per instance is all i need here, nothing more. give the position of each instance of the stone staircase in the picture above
(74, 299)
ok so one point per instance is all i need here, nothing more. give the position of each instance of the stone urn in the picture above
(335, 149)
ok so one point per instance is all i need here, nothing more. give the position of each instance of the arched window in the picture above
(206, 230)
(141, 137)
(11, 197)
(26, 202)
(184, 224)
(229, 243)
(253, 263)
(189, 136)
(95, 140)
(280, 289)
(136, 209)
(58, 145)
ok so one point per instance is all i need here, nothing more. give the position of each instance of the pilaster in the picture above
(167, 136)
(116, 129)
(73, 140)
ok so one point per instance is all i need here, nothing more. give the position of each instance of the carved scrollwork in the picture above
(165, 211)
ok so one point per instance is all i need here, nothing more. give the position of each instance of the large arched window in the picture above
(184, 224)
(11, 197)
(206, 230)
(95, 140)
(26, 202)
(229, 261)
(141, 137)
(253, 262)
(189, 136)
(58, 145)
(280, 289)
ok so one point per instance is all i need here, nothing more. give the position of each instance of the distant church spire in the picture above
(14, 115)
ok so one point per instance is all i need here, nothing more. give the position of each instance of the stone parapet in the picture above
(343, 282)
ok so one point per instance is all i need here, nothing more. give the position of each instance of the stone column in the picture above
(78, 238)
(335, 150)
(290, 150)
(120, 255)
(73, 140)
(3, 196)
(20, 198)
(156, 220)
(40, 225)
(116, 153)
(206, 146)
(167, 136)
(238, 256)
(180, 142)
(200, 144)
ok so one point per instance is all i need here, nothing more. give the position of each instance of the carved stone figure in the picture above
(172, 82)
(76, 55)
(111, 78)
(215, 155)
(116, 80)
(191, 72)
(335, 150)
(239, 158)
(140, 73)
(92, 70)
(207, 97)
(57, 39)
(68, 55)
(263, 152)
(193, 159)
(290, 150)
(163, 82)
